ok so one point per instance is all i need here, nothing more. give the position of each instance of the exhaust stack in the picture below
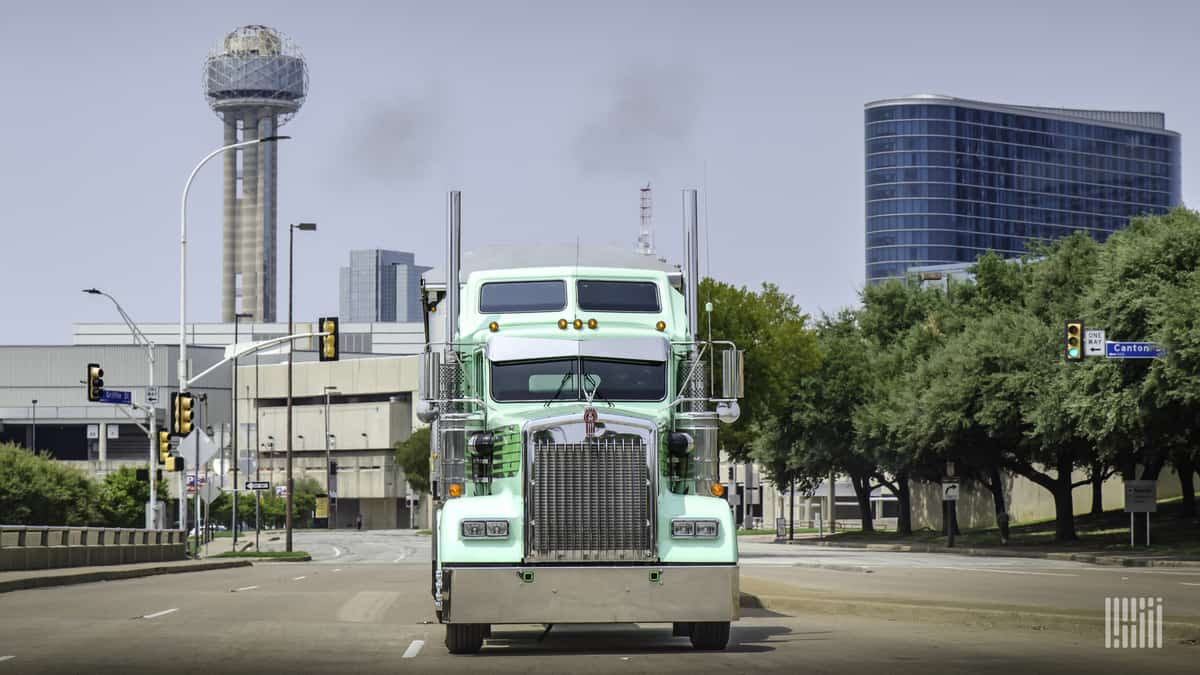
(691, 238)
(453, 265)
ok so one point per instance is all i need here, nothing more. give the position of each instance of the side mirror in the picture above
(430, 383)
(732, 369)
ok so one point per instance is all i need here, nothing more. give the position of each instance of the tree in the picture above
(36, 490)
(412, 454)
(122, 498)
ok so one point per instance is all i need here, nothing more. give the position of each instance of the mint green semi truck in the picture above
(575, 410)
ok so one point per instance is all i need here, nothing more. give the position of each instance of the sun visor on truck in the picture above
(509, 348)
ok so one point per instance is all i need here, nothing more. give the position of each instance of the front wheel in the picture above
(467, 638)
(710, 635)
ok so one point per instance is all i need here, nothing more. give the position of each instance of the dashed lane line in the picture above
(1185, 583)
(299, 578)
(162, 613)
(243, 588)
(413, 649)
(10, 657)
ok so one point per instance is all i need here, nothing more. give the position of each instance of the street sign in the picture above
(1141, 496)
(93, 431)
(950, 492)
(1132, 350)
(280, 490)
(258, 485)
(780, 528)
(322, 507)
(114, 396)
(112, 431)
(152, 394)
(1093, 343)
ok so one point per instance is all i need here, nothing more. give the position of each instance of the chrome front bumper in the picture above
(590, 594)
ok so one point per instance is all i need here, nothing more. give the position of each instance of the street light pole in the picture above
(234, 525)
(152, 406)
(183, 374)
(307, 227)
(329, 489)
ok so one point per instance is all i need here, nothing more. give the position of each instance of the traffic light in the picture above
(174, 463)
(1074, 340)
(181, 414)
(95, 381)
(164, 446)
(329, 343)
(333, 467)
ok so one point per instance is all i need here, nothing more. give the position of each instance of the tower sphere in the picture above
(256, 67)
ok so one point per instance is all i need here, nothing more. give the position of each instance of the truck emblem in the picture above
(589, 421)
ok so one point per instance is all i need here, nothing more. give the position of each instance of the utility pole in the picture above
(307, 227)
(236, 318)
(330, 489)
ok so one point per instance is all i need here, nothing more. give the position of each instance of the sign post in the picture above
(1140, 497)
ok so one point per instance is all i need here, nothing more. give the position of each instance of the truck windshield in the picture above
(522, 296)
(617, 296)
(606, 379)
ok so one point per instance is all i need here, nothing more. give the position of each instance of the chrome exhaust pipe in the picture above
(691, 239)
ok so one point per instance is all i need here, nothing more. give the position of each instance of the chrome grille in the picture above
(590, 501)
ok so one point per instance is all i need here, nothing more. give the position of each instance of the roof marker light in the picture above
(661, 325)
(592, 324)
(578, 324)
(493, 326)
(562, 323)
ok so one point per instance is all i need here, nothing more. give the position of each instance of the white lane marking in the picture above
(337, 552)
(1038, 574)
(6, 658)
(162, 613)
(298, 578)
(1185, 583)
(243, 588)
(338, 570)
(400, 559)
(413, 649)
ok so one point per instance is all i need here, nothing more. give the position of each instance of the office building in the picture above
(380, 286)
(948, 179)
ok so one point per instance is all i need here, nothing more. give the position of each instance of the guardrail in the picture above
(37, 548)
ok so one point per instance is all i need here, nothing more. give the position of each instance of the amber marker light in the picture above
(717, 490)
(562, 323)
(493, 326)
(455, 490)
(578, 324)
(661, 325)
(592, 324)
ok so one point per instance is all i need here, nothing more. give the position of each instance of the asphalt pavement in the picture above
(365, 607)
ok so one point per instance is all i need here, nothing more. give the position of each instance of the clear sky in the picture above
(549, 116)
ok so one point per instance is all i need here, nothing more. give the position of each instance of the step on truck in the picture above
(574, 449)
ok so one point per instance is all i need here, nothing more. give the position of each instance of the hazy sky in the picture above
(549, 116)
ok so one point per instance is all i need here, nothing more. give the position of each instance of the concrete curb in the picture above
(773, 597)
(94, 575)
(1094, 558)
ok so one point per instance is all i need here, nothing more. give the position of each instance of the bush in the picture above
(36, 490)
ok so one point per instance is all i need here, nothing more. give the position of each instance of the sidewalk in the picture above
(21, 580)
(1094, 557)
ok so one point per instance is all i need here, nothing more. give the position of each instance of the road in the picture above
(988, 580)
(362, 611)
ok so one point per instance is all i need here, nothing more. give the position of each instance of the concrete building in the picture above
(369, 410)
(380, 286)
(98, 437)
(356, 338)
(255, 81)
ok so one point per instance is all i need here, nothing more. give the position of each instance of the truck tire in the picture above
(465, 638)
(710, 635)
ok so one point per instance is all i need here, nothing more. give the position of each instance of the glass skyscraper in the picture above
(380, 285)
(949, 178)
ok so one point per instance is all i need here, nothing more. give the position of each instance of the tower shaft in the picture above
(248, 268)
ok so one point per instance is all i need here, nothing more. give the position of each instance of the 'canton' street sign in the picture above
(1132, 350)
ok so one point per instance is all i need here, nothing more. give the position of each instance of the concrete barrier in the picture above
(35, 548)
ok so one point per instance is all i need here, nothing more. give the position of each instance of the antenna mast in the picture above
(645, 240)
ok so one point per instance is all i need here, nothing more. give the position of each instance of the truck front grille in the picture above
(590, 501)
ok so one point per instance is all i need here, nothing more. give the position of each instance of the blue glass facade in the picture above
(948, 179)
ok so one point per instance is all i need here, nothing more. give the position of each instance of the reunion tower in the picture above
(255, 81)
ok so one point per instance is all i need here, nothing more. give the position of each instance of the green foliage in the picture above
(122, 498)
(36, 490)
(779, 348)
(412, 454)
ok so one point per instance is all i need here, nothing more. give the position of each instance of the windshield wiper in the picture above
(562, 383)
(588, 378)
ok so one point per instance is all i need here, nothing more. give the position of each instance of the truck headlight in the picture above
(685, 528)
(485, 529)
